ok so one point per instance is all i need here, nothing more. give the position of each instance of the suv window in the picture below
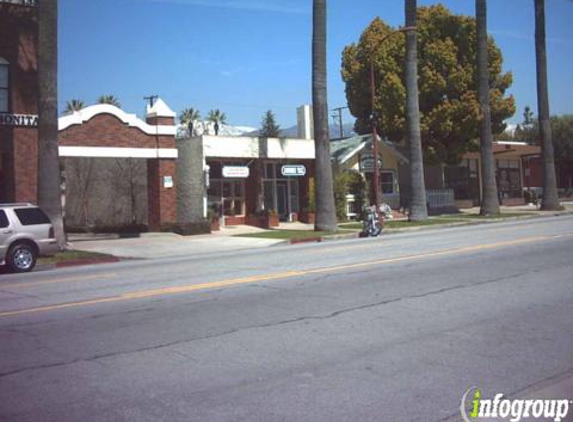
(31, 216)
(3, 220)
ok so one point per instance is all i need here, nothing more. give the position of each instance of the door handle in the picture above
(7, 232)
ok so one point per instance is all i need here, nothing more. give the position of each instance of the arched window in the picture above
(4, 86)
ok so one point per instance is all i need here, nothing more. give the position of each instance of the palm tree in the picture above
(188, 117)
(73, 105)
(218, 118)
(418, 209)
(490, 200)
(550, 198)
(49, 180)
(109, 99)
(325, 210)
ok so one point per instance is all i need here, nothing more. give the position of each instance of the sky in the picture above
(248, 56)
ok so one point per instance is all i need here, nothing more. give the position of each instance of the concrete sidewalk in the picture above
(164, 245)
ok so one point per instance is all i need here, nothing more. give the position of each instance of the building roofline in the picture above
(88, 113)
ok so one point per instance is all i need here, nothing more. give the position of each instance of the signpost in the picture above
(293, 170)
(236, 172)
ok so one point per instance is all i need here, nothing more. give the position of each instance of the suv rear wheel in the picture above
(21, 257)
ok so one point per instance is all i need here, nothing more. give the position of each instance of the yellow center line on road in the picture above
(51, 281)
(282, 275)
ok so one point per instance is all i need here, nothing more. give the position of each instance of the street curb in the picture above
(473, 222)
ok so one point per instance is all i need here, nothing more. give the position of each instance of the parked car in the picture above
(25, 233)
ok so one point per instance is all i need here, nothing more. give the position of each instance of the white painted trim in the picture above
(159, 109)
(113, 152)
(353, 153)
(511, 143)
(85, 114)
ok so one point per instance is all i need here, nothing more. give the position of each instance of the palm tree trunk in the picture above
(490, 200)
(325, 209)
(49, 190)
(550, 198)
(418, 209)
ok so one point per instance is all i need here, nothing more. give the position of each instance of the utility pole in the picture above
(338, 115)
(151, 99)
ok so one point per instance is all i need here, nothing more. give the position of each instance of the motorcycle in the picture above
(372, 225)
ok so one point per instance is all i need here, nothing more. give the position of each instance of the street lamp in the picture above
(373, 118)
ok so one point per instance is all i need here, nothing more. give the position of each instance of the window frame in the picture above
(5, 64)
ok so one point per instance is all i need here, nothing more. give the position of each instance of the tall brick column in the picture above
(161, 198)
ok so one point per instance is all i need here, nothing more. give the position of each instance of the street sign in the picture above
(168, 182)
(293, 170)
(236, 172)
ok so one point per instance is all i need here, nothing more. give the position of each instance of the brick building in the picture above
(18, 101)
(104, 132)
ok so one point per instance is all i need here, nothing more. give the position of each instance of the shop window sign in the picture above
(236, 172)
(293, 170)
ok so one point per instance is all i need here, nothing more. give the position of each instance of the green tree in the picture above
(269, 126)
(527, 130)
(73, 105)
(449, 107)
(562, 131)
(217, 118)
(325, 210)
(490, 200)
(49, 177)
(550, 198)
(188, 117)
(109, 99)
(418, 209)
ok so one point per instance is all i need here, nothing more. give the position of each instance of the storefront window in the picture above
(281, 193)
(509, 179)
(4, 86)
(228, 193)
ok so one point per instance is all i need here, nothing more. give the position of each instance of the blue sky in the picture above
(247, 56)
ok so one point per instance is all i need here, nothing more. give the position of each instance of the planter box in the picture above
(307, 217)
(263, 222)
(512, 202)
(234, 221)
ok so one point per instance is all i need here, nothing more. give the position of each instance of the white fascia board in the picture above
(113, 152)
(85, 114)
(511, 143)
(230, 146)
(353, 153)
(284, 148)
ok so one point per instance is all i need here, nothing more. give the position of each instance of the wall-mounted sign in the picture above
(167, 181)
(236, 172)
(21, 2)
(25, 120)
(367, 163)
(293, 170)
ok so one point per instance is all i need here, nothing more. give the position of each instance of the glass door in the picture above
(282, 200)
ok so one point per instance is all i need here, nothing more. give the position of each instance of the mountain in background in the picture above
(292, 132)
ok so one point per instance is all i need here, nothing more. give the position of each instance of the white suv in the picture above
(25, 233)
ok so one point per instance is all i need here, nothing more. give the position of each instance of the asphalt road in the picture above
(389, 329)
